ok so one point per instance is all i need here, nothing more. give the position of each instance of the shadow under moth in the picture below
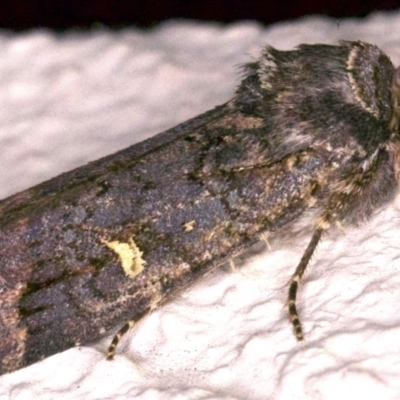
(310, 139)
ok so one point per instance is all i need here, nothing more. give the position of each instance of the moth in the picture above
(310, 139)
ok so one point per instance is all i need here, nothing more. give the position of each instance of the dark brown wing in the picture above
(88, 250)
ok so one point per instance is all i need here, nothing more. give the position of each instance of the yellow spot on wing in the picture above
(129, 255)
(189, 226)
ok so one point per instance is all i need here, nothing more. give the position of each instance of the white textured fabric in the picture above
(67, 99)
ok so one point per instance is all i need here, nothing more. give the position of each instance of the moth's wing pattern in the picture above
(63, 243)
(61, 284)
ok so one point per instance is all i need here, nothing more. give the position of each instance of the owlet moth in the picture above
(311, 138)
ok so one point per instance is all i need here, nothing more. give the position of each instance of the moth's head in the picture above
(394, 122)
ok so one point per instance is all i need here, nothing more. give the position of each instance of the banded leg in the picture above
(121, 332)
(294, 284)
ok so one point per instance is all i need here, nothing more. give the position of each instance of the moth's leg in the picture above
(294, 283)
(122, 331)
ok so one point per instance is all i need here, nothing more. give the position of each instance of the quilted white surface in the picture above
(67, 99)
